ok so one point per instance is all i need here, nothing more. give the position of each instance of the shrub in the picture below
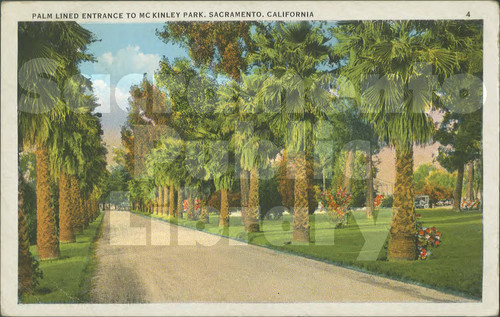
(387, 202)
(269, 197)
(427, 238)
(336, 204)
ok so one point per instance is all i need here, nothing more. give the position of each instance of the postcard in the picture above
(249, 158)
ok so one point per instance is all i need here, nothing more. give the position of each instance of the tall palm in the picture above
(246, 123)
(52, 49)
(295, 94)
(400, 51)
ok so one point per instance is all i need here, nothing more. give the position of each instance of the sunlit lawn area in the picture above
(67, 279)
(455, 266)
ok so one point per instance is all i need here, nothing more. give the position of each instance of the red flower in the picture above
(433, 228)
(436, 242)
(421, 232)
(438, 233)
(428, 230)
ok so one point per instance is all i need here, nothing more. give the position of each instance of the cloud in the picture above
(107, 58)
(102, 92)
(113, 74)
(125, 61)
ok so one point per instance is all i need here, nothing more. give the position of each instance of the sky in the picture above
(124, 52)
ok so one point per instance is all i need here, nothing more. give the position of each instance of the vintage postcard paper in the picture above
(249, 158)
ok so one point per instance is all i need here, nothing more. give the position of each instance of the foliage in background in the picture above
(435, 182)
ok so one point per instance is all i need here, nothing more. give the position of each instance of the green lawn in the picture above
(67, 279)
(455, 266)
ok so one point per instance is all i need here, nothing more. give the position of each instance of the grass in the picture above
(67, 279)
(455, 266)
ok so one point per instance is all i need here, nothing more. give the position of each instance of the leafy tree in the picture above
(399, 52)
(221, 44)
(436, 183)
(460, 137)
(420, 175)
(295, 97)
(460, 130)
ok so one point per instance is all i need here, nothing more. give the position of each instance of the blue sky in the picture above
(123, 54)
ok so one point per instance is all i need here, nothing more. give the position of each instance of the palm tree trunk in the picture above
(171, 209)
(286, 181)
(300, 208)
(349, 169)
(24, 259)
(224, 209)
(204, 217)
(457, 193)
(65, 222)
(47, 240)
(86, 212)
(160, 200)
(95, 208)
(165, 200)
(252, 217)
(244, 194)
(369, 186)
(470, 180)
(324, 180)
(76, 216)
(190, 209)
(179, 202)
(402, 245)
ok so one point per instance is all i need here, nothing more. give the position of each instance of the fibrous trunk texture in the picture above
(204, 213)
(300, 208)
(224, 209)
(369, 186)
(470, 180)
(457, 193)
(190, 209)
(85, 212)
(47, 239)
(244, 194)
(165, 200)
(65, 222)
(171, 208)
(160, 200)
(349, 169)
(24, 259)
(76, 212)
(402, 244)
(252, 217)
(179, 202)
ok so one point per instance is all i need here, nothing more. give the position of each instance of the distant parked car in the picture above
(422, 201)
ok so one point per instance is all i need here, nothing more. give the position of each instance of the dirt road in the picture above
(146, 260)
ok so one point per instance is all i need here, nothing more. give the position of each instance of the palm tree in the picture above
(397, 50)
(53, 49)
(66, 233)
(165, 200)
(247, 125)
(27, 265)
(291, 55)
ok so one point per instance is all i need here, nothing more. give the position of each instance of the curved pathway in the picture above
(146, 260)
